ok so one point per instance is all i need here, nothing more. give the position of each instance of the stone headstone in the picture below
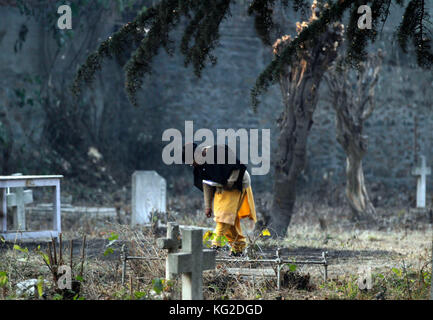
(148, 195)
(421, 172)
(191, 262)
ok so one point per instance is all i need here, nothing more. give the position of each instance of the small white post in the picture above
(56, 207)
(421, 172)
(3, 211)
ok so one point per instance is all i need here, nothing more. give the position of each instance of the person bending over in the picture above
(227, 193)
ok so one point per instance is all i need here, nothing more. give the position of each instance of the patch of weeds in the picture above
(396, 283)
(122, 294)
(295, 280)
(210, 237)
(112, 239)
(4, 280)
(65, 285)
(161, 289)
(344, 288)
(406, 283)
(221, 286)
(373, 238)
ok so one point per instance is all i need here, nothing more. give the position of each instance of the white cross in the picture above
(421, 172)
(191, 262)
(171, 243)
(19, 199)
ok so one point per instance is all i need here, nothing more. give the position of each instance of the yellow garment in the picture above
(248, 208)
(230, 206)
(235, 239)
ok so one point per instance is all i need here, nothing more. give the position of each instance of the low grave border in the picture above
(20, 181)
(278, 262)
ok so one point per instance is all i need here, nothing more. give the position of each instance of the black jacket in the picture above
(219, 172)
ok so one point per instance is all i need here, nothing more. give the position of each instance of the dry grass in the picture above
(397, 249)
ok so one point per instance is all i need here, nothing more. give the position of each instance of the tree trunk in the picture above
(299, 84)
(353, 104)
(349, 136)
(287, 170)
(295, 125)
(356, 191)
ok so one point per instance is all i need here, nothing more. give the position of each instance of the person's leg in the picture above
(220, 232)
(233, 234)
(235, 237)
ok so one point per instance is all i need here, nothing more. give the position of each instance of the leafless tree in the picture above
(352, 97)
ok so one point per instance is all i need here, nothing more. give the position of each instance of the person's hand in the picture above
(208, 212)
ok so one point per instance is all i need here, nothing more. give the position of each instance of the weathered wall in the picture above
(12, 67)
(221, 99)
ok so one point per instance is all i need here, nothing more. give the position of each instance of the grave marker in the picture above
(171, 243)
(191, 262)
(19, 199)
(148, 195)
(421, 172)
(23, 182)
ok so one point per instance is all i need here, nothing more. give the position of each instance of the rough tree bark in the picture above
(352, 97)
(299, 85)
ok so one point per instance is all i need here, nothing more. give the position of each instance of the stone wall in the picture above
(221, 99)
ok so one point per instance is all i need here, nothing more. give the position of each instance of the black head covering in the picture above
(218, 172)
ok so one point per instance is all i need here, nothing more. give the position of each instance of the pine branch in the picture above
(263, 22)
(158, 36)
(206, 35)
(317, 27)
(113, 46)
(160, 21)
(201, 36)
(413, 27)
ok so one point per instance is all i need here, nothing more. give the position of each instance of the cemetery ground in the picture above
(397, 248)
